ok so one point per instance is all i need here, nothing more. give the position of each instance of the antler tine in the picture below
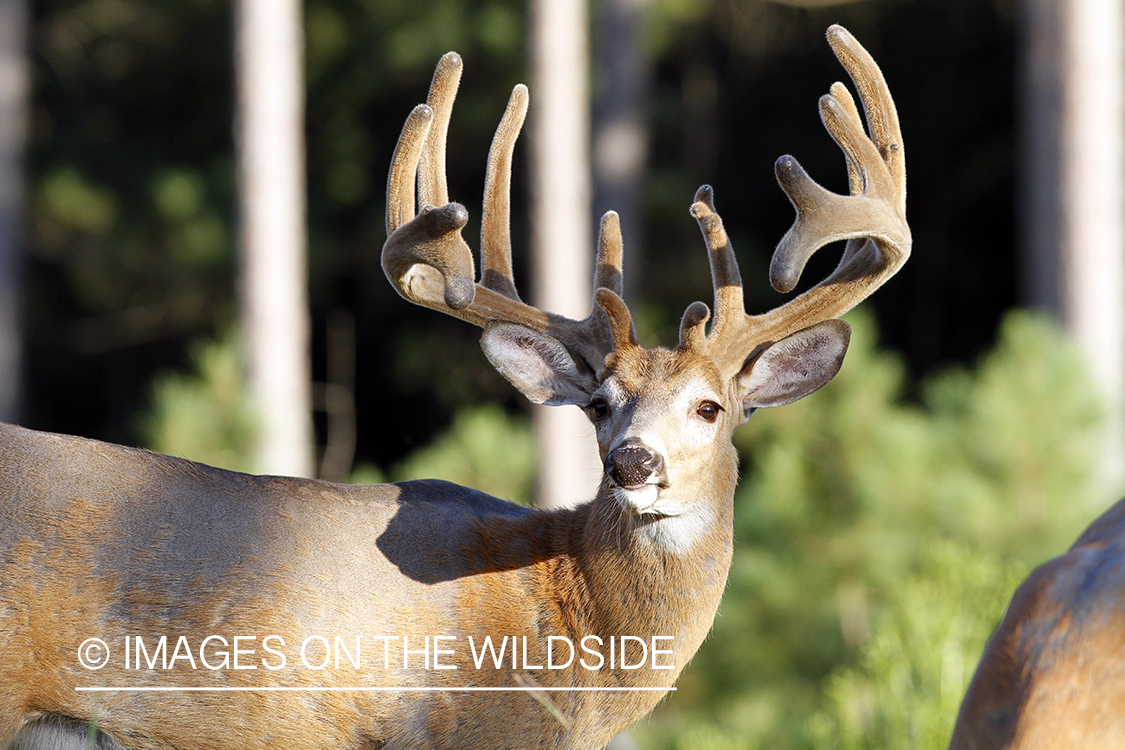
(609, 325)
(621, 323)
(872, 219)
(495, 236)
(841, 94)
(730, 312)
(692, 334)
(428, 262)
(878, 106)
(404, 166)
(607, 272)
(433, 189)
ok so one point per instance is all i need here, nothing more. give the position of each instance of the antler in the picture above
(872, 219)
(428, 262)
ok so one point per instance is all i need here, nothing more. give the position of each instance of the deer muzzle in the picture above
(632, 465)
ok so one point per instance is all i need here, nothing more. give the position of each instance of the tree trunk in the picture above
(562, 227)
(1074, 183)
(273, 236)
(620, 126)
(13, 125)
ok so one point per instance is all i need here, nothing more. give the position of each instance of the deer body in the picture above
(162, 546)
(397, 587)
(1053, 674)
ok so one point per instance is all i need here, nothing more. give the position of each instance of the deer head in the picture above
(743, 362)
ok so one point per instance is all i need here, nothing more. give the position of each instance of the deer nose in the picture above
(631, 464)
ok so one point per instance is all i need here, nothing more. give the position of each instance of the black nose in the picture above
(631, 464)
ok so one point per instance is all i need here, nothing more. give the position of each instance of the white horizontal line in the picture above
(171, 689)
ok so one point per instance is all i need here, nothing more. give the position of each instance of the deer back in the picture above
(1053, 673)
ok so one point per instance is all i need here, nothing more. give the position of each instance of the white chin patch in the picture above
(640, 500)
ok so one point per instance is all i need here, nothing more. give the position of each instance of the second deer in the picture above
(1052, 676)
(100, 541)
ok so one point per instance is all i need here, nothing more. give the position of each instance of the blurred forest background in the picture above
(881, 524)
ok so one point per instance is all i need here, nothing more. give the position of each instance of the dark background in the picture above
(132, 205)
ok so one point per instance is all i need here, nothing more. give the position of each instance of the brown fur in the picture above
(1053, 673)
(104, 541)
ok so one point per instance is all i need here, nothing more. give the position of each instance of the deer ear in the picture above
(536, 364)
(794, 367)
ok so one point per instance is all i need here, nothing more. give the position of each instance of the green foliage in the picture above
(485, 449)
(1022, 440)
(864, 518)
(707, 736)
(68, 200)
(366, 474)
(203, 415)
(907, 687)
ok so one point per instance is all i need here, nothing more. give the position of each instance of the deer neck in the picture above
(659, 576)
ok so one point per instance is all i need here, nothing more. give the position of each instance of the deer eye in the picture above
(599, 409)
(708, 411)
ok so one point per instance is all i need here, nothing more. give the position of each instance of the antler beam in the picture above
(872, 219)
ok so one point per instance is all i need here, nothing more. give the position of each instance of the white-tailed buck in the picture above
(1052, 676)
(237, 611)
